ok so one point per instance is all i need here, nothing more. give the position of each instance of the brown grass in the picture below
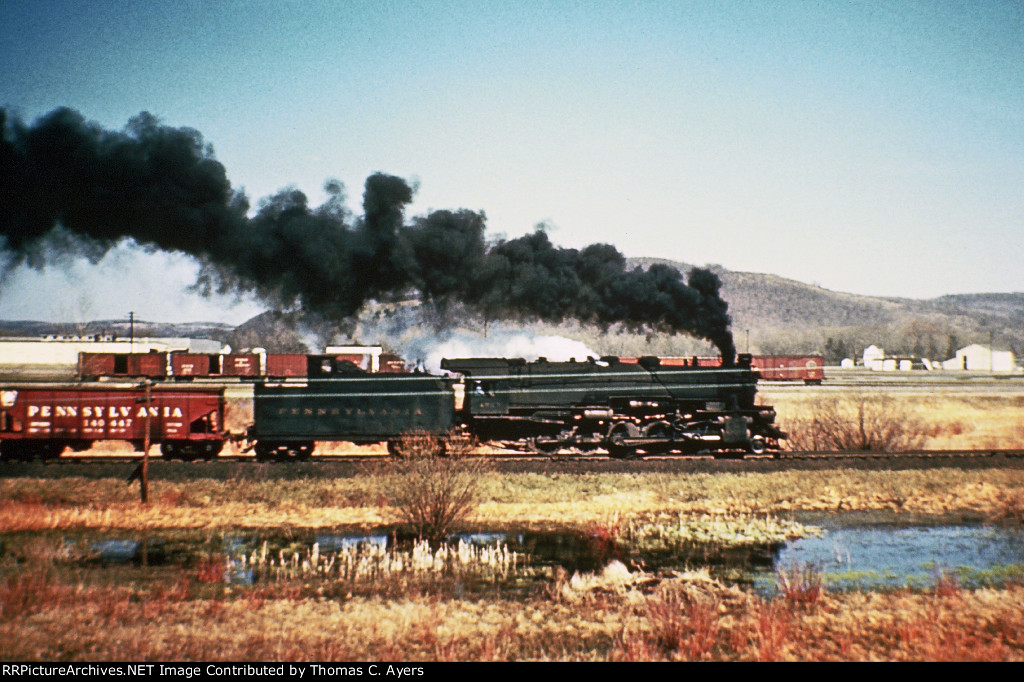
(579, 502)
(856, 422)
(948, 420)
(801, 585)
(675, 618)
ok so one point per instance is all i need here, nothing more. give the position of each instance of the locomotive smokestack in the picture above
(74, 187)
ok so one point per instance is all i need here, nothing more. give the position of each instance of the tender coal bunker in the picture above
(71, 187)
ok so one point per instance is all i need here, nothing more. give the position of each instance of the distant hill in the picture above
(771, 314)
(119, 328)
(786, 316)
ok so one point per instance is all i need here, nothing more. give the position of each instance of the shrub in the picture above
(435, 485)
(801, 585)
(859, 422)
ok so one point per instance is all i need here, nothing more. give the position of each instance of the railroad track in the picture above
(83, 459)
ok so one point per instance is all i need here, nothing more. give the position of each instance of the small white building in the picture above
(979, 358)
(873, 357)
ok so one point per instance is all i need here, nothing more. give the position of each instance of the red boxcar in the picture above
(387, 363)
(185, 365)
(392, 364)
(43, 422)
(287, 365)
(679, 361)
(807, 368)
(95, 365)
(240, 365)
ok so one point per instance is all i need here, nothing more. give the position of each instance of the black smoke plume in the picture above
(70, 187)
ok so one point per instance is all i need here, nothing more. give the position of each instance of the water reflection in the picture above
(848, 555)
(915, 556)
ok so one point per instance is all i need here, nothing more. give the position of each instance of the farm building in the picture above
(977, 357)
(873, 357)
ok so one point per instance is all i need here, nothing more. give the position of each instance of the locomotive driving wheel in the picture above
(544, 446)
(660, 433)
(617, 435)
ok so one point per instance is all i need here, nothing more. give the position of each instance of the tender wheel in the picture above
(264, 452)
(294, 452)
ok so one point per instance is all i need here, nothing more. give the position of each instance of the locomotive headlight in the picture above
(8, 398)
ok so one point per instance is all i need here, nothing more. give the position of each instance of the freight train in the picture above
(809, 369)
(218, 366)
(623, 408)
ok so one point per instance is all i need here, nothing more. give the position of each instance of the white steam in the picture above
(499, 343)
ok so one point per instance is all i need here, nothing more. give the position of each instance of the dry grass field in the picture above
(945, 420)
(614, 615)
(505, 501)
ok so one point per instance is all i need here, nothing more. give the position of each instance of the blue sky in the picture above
(869, 147)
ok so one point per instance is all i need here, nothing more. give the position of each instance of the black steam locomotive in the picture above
(625, 409)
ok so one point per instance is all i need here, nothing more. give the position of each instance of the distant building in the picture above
(979, 358)
(876, 360)
(873, 357)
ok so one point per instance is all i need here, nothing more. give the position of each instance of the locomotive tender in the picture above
(623, 408)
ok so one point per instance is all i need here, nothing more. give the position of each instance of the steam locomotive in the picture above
(624, 408)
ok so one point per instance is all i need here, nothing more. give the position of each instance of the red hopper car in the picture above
(43, 422)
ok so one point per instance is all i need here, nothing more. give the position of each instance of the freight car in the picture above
(43, 421)
(807, 368)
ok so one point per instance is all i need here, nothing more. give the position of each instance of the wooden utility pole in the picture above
(144, 477)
